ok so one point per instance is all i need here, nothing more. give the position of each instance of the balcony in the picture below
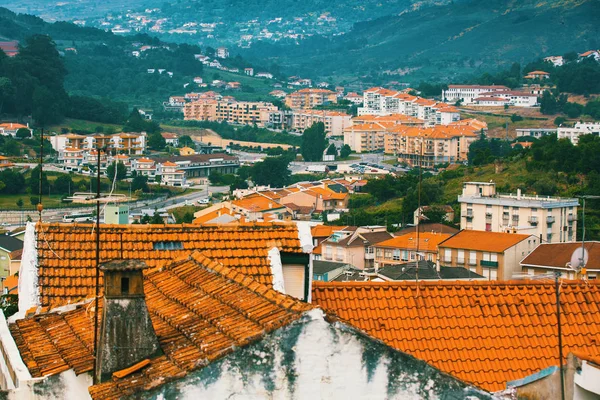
(550, 220)
(489, 264)
(533, 221)
(571, 218)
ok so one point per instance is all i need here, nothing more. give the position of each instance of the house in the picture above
(145, 167)
(579, 129)
(10, 285)
(222, 52)
(11, 128)
(198, 80)
(356, 248)
(177, 101)
(467, 93)
(554, 219)
(186, 151)
(327, 271)
(256, 207)
(537, 75)
(233, 86)
(422, 211)
(190, 326)
(494, 255)
(319, 198)
(557, 257)
(249, 71)
(557, 61)
(8, 244)
(490, 101)
(485, 333)
(5, 163)
(220, 213)
(593, 54)
(354, 98)
(280, 94)
(265, 75)
(409, 247)
(423, 270)
(170, 174)
(171, 139)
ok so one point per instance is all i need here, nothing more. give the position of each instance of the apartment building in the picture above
(71, 158)
(170, 174)
(379, 101)
(310, 98)
(553, 219)
(495, 255)
(430, 146)
(511, 97)
(335, 122)
(468, 93)
(230, 110)
(580, 128)
(356, 248)
(145, 167)
(200, 166)
(365, 137)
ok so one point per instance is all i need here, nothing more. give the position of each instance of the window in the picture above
(124, 285)
(370, 250)
(472, 257)
(461, 257)
(168, 245)
(396, 255)
(447, 255)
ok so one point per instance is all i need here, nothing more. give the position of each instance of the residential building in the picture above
(310, 98)
(580, 128)
(230, 110)
(200, 166)
(495, 255)
(429, 147)
(177, 101)
(8, 244)
(512, 325)
(71, 158)
(170, 138)
(280, 94)
(535, 132)
(198, 80)
(409, 247)
(364, 138)
(466, 94)
(512, 98)
(5, 163)
(258, 207)
(186, 151)
(169, 309)
(265, 75)
(145, 167)
(593, 54)
(557, 61)
(427, 227)
(11, 128)
(354, 98)
(553, 219)
(319, 198)
(356, 248)
(490, 101)
(222, 52)
(335, 122)
(327, 271)
(170, 174)
(556, 257)
(249, 71)
(537, 75)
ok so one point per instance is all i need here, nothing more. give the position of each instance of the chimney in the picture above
(126, 335)
(518, 194)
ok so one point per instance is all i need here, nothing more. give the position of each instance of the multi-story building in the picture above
(356, 248)
(553, 219)
(145, 167)
(365, 137)
(467, 93)
(430, 146)
(310, 98)
(409, 247)
(11, 128)
(222, 52)
(495, 255)
(512, 98)
(335, 122)
(580, 128)
(71, 158)
(379, 101)
(170, 174)
(200, 166)
(230, 110)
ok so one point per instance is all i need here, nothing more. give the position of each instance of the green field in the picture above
(81, 125)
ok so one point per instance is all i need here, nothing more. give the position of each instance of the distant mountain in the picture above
(445, 41)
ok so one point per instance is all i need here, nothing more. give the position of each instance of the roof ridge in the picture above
(455, 283)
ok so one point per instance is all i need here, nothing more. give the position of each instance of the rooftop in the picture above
(428, 241)
(9, 243)
(485, 333)
(557, 255)
(424, 270)
(200, 311)
(495, 242)
(66, 252)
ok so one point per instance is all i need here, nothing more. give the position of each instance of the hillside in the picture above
(446, 41)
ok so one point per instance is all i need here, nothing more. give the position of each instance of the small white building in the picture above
(467, 93)
(222, 52)
(249, 71)
(557, 61)
(489, 101)
(580, 128)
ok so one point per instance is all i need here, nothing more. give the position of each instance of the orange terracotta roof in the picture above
(326, 194)
(200, 311)
(144, 160)
(428, 241)
(324, 231)
(207, 218)
(483, 241)
(538, 73)
(11, 284)
(66, 252)
(13, 125)
(257, 203)
(169, 164)
(484, 333)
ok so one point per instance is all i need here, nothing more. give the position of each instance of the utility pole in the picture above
(95, 379)
(560, 354)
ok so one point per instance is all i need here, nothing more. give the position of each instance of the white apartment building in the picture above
(222, 52)
(580, 128)
(535, 132)
(557, 61)
(170, 174)
(379, 101)
(553, 219)
(515, 98)
(467, 93)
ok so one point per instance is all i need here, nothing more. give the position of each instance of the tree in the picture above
(345, 151)
(7, 91)
(272, 171)
(186, 141)
(63, 184)
(14, 182)
(332, 150)
(187, 218)
(34, 181)
(558, 121)
(156, 141)
(47, 107)
(434, 214)
(156, 218)
(121, 171)
(20, 203)
(313, 142)
(23, 133)
(140, 182)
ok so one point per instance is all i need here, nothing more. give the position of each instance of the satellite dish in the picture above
(579, 258)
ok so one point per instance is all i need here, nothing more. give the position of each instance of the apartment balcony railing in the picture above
(571, 218)
(533, 220)
(550, 220)
(489, 264)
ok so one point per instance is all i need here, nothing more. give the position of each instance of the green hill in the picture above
(447, 41)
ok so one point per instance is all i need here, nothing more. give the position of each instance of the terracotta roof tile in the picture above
(483, 241)
(200, 311)
(427, 241)
(484, 333)
(66, 252)
(559, 254)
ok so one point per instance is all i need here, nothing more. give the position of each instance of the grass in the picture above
(180, 212)
(9, 201)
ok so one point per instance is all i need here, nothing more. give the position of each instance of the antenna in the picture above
(40, 206)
